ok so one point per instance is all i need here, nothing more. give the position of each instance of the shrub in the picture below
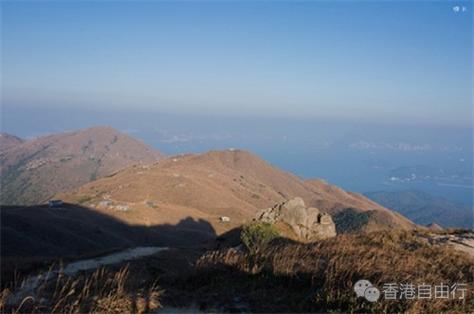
(257, 235)
(84, 199)
(349, 220)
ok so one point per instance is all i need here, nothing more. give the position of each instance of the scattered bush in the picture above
(151, 204)
(257, 235)
(84, 199)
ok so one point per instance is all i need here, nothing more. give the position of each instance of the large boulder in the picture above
(303, 224)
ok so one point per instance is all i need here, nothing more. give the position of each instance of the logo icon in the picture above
(363, 288)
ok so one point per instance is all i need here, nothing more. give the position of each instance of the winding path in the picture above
(33, 282)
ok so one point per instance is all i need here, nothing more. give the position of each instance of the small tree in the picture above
(257, 235)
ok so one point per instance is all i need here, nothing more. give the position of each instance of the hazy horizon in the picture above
(377, 62)
(362, 94)
(357, 156)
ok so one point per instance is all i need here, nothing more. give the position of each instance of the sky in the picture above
(397, 62)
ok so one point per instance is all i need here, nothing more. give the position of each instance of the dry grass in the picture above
(320, 276)
(218, 183)
(103, 291)
(284, 276)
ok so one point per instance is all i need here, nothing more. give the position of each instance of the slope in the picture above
(231, 183)
(34, 170)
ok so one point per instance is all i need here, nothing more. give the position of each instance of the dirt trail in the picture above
(31, 283)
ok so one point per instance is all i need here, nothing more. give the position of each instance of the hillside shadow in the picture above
(32, 236)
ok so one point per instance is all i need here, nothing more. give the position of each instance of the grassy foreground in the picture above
(319, 277)
(102, 291)
(281, 276)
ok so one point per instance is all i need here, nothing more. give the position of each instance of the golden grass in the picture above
(103, 291)
(327, 270)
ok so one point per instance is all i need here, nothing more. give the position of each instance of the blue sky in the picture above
(370, 61)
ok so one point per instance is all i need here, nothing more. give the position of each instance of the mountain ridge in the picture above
(234, 183)
(8, 140)
(34, 170)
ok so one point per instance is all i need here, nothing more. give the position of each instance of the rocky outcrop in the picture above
(461, 241)
(306, 224)
(434, 227)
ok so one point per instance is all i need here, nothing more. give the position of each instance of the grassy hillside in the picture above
(319, 277)
(284, 276)
(33, 171)
(231, 183)
(8, 141)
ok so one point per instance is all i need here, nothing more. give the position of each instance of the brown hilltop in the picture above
(231, 183)
(34, 170)
(7, 141)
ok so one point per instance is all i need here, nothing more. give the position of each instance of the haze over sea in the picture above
(359, 157)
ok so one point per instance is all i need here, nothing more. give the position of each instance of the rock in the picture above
(305, 224)
(224, 219)
(462, 241)
(434, 227)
